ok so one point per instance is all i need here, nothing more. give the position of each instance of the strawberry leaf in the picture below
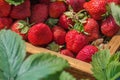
(113, 70)
(60, 76)
(42, 65)
(66, 76)
(2, 77)
(99, 64)
(15, 2)
(115, 10)
(12, 53)
(106, 67)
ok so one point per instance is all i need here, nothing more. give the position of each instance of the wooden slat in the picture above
(77, 64)
(114, 43)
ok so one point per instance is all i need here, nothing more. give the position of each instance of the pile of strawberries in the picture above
(67, 26)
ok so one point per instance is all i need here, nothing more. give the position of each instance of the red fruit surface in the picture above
(40, 34)
(75, 41)
(96, 8)
(109, 27)
(65, 22)
(67, 53)
(56, 9)
(44, 1)
(77, 5)
(5, 22)
(18, 26)
(21, 11)
(4, 8)
(115, 1)
(39, 13)
(92, 28)
(59, 35)
(86, 53)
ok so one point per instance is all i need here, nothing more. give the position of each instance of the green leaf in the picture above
(66, 76)
(115, 57)
(2, 77)
(15, 2)
(53, 77)
(113, 70)
(12, 53)
(99, 64)
(115, 9)
(39, 66)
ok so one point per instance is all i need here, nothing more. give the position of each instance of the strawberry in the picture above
(96, 8)
(21, 27)
(39, 13)
(86, 53)
(92, 28)
(40, 34)
(4, 8)
(77, 5)
(65, 22)
(75, 41)
(59, 35)
(115, 1)
(44, 1)
(56, 9)
(109, 27)
(67, 53)
(21, 11)
(5, 22)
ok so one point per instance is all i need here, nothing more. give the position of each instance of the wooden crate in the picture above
(79, 69)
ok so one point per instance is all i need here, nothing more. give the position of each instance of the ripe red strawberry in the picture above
(40, 34)
(109, 27)
(96, 8)
(44, 1)
(59, 35)
(5, 23)
(115, 1)
(86, 53)
(21, 27)
(92, 28)
(67, 53)
(4, 8)
(39, 13)
(56, 9)
(77, 5)
(21, 11)
(75, 41)
(65, 22)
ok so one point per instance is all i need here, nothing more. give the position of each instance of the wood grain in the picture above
(114, 43)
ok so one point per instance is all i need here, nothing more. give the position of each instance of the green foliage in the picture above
(105, 66)
(15, 2)
(14, 66)
(66, 76)
(42, 65)
(12, 53)
(115, 10)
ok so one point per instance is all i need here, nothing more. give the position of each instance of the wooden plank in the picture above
(114, 43)
(77, 64)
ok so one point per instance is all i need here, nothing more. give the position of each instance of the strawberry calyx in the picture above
(80, 18)
(23, 26)
(108, 12)
(54, 47)
(52, 22)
